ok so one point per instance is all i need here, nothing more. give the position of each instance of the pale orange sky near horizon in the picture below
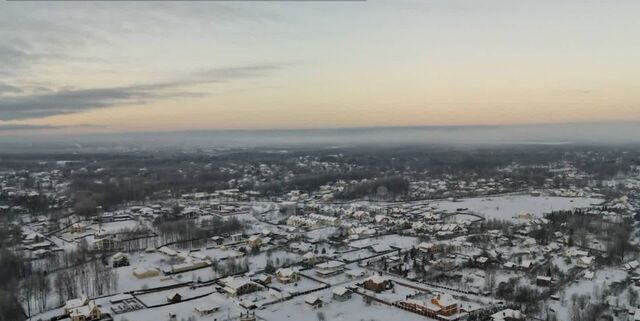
(183, 66)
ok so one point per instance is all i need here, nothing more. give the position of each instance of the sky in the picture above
(118, 67)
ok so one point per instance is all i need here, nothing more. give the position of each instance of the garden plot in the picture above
(353, 309)
(357, 255)
(507, 207)
(218, 254)
(394, 240)
(115, 227)
(73, 237)
(103, 302)
(276, 258)
(473, 279)
(337, 279)
(129, 282)
(301, 286)
(62, 243)
(324, 249)
(199, 275)
(160, 297)
(205, 218)
(321, 234)
(250, 220)
(397, 293)
(562, 263)
(185, 310)
(466, 299)
(259, 298)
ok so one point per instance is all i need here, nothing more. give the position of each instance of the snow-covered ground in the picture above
(277, 258)
(394, 240)
(507, 207)
(601, 280)
(184, 310)
(354, 309)
(160, 297)
(302, 285)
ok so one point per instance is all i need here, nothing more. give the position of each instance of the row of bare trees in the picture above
(41, 292)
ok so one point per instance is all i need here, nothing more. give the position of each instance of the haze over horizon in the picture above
(74, 68)
(577, 134)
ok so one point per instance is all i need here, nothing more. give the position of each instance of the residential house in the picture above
(426, 247)
(75, 303)
(377, 283)
(262, 279)
(544, 281)
(218, 240)
(286, 275)
(439, 306)
(174, 297)
(143, 272)
(188, 266)
(584, 261)
(329, 268)
(448, 305)
(120, 259)
(341, 293)
(239, 286)
(88, 312)
(508, 315)
(254, 241)
(249, 316)
(313, 301)
(77, 228)
(310, 258)
(108, 243)
(206, 308)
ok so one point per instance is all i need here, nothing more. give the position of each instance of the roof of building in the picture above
(311, 299)
(330, 265)
(340, 291)
(377, 279)
(447, 300)
(507, 313)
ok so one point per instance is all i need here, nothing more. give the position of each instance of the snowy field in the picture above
(203, 275)
(507, 207)
(277, 257)
(129, 282)
(394, 240)
(218, 253)
(114, 227)
(320, 234)
(357, 255)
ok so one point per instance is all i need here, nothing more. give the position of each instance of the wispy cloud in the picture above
(45, 32)
(12, 58)
(8, 89)
(20, 107)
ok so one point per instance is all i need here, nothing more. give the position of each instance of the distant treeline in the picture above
(383, 188)
(138, 176)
